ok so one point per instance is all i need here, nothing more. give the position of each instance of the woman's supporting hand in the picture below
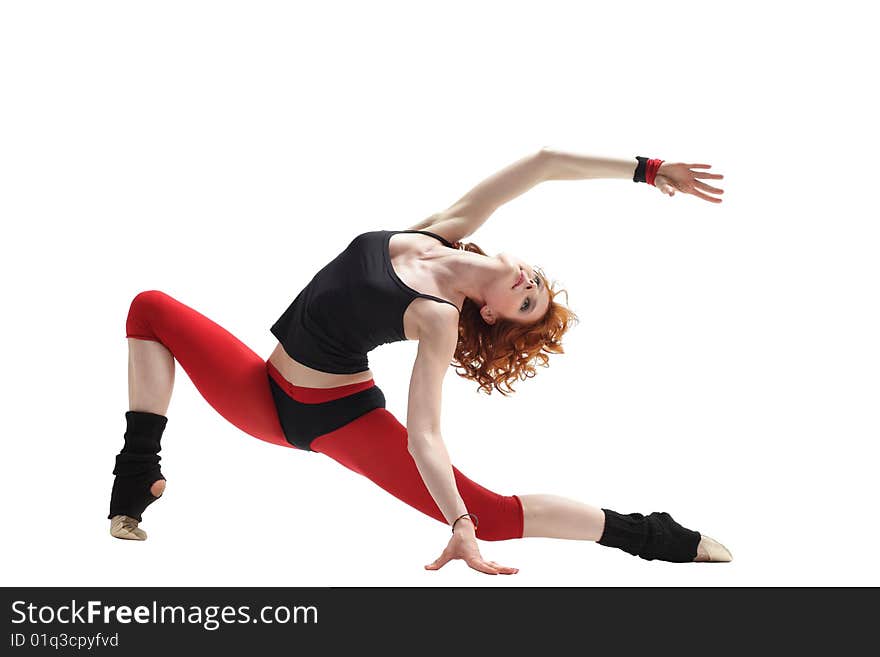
(672, 176)
(463, 545)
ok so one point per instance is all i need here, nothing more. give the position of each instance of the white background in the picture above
(725, 368)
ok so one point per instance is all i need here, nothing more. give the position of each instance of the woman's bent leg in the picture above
(375, 446)
(150, 376)
(229, 375)
(231, 378)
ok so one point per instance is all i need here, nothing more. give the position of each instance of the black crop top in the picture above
(352, 305)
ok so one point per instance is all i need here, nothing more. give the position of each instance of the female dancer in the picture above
(493, 317)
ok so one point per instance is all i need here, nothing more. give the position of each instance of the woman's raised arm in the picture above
(670, 177)
(471, 211)
(468, 213)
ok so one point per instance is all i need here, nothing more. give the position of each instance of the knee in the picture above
(148, 298)
(499, 518)
(144, 305)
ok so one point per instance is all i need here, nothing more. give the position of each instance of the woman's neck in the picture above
(465, 273)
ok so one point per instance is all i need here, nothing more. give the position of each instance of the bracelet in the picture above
(466, 515)
(646, 170)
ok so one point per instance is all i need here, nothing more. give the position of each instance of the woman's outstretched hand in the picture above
(676, 176)
(464, 546)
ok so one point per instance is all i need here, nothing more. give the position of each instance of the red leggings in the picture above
(233, 379)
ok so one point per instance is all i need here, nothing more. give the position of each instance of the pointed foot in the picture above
(710, 550)
(126, 527)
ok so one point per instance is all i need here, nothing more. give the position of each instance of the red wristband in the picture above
(651, 170)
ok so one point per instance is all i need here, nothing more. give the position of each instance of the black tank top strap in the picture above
(429, 296)
(445, 241)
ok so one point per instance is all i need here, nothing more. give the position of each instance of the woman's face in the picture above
(519, 292)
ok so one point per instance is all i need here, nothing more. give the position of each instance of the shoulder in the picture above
(438, 338)
(437, 325)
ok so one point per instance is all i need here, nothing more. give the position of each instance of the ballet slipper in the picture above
(711, 551)
(126, 527)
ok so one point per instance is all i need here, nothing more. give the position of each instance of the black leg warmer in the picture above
(137, 465)
(656, 536)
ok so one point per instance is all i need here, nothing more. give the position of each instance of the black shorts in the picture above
(303, 422)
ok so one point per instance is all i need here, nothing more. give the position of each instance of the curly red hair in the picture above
(501, 353)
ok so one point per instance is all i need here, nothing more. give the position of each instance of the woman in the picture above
(493, 317)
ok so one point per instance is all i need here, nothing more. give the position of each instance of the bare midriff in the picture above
(300, 375)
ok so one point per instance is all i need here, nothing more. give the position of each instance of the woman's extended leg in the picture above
(375, 446)
(553, 516)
